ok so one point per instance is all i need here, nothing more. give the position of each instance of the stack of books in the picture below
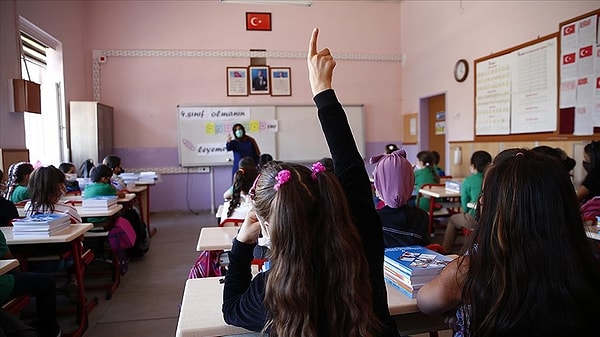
(41, 224)
(409, 268)
(99, 203)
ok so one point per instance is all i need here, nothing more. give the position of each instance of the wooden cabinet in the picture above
(91, 131)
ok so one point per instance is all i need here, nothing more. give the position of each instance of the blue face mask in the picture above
(239, 133)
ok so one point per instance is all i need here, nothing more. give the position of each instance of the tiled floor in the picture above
(146, 304)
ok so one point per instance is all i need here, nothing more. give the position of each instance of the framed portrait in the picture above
(260, 83)
(237, 81)
(281, 81)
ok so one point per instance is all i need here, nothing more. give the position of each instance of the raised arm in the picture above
(350, 169)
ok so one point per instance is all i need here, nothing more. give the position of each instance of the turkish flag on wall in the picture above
(258, 21)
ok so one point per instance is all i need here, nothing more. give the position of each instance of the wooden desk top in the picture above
(66, 235)
(216, 238)
(439, 192)
(8, 265)
(137, 188)
(201, 315)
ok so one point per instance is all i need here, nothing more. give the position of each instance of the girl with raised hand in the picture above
(326, 262)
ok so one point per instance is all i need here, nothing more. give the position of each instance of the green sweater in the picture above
(20, 193)
(470, 191)
(424, 176)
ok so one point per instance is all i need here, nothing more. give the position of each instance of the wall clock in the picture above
(461, 70)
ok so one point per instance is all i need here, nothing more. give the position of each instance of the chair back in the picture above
(231, 222)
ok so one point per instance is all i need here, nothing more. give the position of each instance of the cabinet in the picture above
(91, 131)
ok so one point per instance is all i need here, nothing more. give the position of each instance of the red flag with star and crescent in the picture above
(258, 21)
(569, 58)
(585, 51)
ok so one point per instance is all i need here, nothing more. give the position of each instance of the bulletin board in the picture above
(287, 132)
(516, 90)
(410, 134)
(571, 112)
(579, 71)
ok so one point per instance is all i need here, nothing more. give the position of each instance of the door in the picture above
(436, 120)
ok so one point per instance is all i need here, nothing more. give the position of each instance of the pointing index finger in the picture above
(312, 48)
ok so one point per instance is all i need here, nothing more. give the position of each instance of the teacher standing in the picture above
(242, 146)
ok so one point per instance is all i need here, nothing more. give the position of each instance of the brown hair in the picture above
(319, 279)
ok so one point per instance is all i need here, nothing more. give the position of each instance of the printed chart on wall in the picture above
(580, 73)
(517, 92)
(203, 132)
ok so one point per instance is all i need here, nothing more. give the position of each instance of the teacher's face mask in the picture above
(239, 133)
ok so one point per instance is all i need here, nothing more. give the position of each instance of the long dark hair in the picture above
(46, 186)
(427, 158)
(242, 182)
(532, 270)
(319, 281)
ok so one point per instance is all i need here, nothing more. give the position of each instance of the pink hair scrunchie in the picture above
(316, 169)
(282, 177)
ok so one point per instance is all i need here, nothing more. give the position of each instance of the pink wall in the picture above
(145, 91)
(435, 34)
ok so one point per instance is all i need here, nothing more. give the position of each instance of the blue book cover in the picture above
(42, 219)
(416, 260)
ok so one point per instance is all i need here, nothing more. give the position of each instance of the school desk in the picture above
(7, 265)
(448, 208)
(201, 316)
(216, 238)
(72, 235)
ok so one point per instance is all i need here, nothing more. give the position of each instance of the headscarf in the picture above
(394, 178)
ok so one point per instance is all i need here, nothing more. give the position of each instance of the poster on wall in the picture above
(580, 72)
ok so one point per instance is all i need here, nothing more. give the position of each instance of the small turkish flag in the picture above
(570, 29)
(258, 21)
(585, 51)
(598, 83)
(569, 58)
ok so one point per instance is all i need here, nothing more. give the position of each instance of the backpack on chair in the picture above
(121, 237)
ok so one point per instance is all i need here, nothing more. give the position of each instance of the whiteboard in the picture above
(287, 132)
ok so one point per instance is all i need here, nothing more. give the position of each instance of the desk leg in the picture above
(83, 307)
(145, 204)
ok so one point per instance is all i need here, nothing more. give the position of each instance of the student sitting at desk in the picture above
(326, 272)
(246, 162)
(101, 183)
(114, 163)
(394, 180)
(425, 173)
(240, 202)
(70, 172)
(39, 285)
(469, 195)
(18, 178)
(530, 269)
(47, 186)
(590, 187)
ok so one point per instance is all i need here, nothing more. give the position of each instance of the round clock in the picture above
(461, 70)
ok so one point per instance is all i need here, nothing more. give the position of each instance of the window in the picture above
(41, 62)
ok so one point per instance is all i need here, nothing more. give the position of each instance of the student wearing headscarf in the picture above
(394, 180)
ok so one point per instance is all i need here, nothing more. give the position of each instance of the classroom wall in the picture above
(392, 54)
(435, 34)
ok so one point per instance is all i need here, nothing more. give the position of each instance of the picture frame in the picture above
(259, 79)
(281, 81)
(237, 81)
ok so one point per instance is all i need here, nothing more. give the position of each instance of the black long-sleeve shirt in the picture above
(243, 296)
